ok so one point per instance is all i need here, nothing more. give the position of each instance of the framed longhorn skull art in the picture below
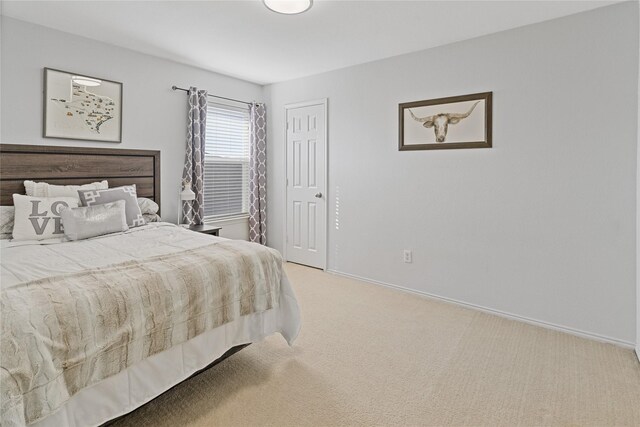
(443, 123)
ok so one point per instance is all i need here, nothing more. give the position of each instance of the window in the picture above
(226, 162)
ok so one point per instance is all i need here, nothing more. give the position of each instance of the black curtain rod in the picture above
(213, 96)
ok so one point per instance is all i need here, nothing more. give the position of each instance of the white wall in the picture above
(542, 225)
(154, 117)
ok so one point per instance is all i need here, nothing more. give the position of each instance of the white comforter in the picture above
(119, 394)
(31, 260)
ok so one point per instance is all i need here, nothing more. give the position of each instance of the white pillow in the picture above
(148, 206)
(38, 218)
(43, 189)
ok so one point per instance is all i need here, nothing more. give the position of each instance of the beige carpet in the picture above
(368, 355)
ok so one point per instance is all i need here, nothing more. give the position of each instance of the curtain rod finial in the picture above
(174, 87)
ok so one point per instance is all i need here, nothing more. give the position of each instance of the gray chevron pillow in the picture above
(126, 193)
(7, 214)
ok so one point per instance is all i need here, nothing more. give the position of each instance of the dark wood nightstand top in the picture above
(206, 229)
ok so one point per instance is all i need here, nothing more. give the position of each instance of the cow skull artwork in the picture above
(440, 122)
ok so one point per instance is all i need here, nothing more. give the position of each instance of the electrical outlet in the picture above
(407, 256)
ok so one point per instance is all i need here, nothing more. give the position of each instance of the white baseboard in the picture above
(547, 325)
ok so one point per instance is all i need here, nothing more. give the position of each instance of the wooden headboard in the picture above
(77, 166)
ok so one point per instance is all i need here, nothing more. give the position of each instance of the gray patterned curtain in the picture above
(258, 174)
(193, 173)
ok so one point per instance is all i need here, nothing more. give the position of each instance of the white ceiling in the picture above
(244, 39)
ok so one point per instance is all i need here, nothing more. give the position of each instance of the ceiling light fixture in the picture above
(288, 7)
(86, 81)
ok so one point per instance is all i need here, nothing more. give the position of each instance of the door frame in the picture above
(324, 103)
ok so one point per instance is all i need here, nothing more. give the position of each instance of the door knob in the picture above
(318, 195)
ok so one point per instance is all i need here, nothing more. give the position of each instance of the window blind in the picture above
(226, 170)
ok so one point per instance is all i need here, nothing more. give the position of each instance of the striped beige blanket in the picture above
(64, 333)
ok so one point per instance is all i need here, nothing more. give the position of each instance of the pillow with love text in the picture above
(38, 218)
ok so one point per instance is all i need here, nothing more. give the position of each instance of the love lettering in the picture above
(39, 220)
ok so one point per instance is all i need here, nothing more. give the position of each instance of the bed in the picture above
(95, 328)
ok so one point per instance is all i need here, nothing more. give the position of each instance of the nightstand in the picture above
(206, 229)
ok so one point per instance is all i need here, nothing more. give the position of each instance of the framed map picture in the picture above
(77, 106)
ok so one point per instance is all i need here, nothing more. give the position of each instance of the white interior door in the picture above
(306, 192)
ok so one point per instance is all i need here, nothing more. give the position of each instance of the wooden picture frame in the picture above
(81, 107)
(446, 123)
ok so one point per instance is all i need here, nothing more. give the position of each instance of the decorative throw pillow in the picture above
(148, 206)
(6, 221)
(38, 218)
(126, 193)
(91, 221)
(151, 218)
(43, 189)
